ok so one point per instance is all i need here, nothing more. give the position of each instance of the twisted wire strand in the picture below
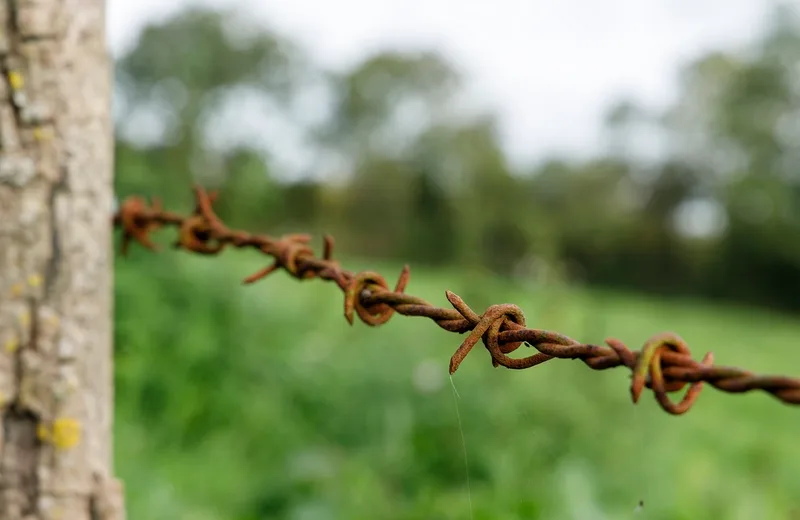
(664, 364)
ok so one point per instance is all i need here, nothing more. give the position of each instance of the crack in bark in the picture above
(13, 34)
(19, 430)
(22, 447)
(12, 16)
(52, 267)
(34, 38)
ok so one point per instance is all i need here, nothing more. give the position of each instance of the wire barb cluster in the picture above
(664, 364)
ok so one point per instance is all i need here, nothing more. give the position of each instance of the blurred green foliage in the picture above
(260, 402)
(403, 170)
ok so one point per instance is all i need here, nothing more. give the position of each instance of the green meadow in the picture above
(261, 402)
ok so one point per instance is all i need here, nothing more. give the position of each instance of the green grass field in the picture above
(262, 402)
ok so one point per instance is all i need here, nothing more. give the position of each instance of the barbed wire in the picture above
(664, 364)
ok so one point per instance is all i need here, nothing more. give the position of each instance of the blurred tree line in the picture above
(386, 157)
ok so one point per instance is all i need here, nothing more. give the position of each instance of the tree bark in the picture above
(56, 172)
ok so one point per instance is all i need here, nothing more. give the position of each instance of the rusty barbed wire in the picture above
(664, 364)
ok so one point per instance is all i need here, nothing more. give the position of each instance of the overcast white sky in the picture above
(548, 67)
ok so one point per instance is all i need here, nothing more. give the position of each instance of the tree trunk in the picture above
(56, 171)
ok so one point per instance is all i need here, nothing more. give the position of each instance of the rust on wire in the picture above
(664, 364)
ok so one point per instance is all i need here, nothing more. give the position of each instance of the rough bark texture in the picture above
(56, 167)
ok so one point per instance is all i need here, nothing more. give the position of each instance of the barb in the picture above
(664, 364)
